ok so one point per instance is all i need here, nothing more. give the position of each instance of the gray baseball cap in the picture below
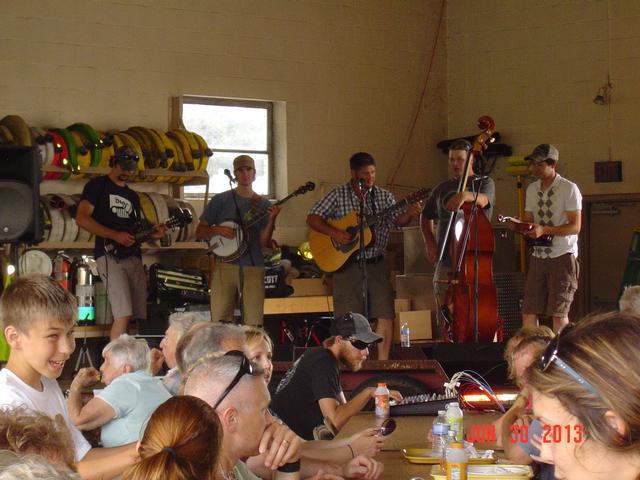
(543, 152)
(354, 325)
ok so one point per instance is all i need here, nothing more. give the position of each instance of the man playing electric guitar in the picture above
(110, 210)
(247, 269)
(347, 281)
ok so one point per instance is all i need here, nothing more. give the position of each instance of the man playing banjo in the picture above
(238, 262)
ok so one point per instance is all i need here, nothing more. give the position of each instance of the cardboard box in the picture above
(307, 287)
(419, 322)
(402, 304)
(419, 288)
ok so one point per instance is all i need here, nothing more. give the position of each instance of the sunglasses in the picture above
(550, 356)
(245, 369)
(359, 344)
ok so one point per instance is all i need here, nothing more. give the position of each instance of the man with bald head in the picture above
(236, 390)
(243, 277)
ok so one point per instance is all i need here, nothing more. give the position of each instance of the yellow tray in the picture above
(490, 472)
(423, 455)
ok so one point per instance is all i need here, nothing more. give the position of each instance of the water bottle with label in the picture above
(448, 441)
(405, 335)
(439, 431)
(454, 419)
(457, 460)
(382, 401)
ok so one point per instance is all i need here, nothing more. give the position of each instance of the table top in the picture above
(411, 432)
(396, 467)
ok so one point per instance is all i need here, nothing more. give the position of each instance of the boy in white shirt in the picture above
(38, 317)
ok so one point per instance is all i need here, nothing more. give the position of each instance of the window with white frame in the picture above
(232, 127)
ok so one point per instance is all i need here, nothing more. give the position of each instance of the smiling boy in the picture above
(38, 317)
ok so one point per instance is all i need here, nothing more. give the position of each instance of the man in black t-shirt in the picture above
(110, 210)
(310, 397)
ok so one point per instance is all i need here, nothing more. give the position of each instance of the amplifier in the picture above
(178, 284)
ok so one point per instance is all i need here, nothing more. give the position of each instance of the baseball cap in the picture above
(243, 161)
(543, 152)
(127, 158)
(356, 326)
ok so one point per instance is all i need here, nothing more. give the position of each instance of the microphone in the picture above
(362, 184)
(231, 178)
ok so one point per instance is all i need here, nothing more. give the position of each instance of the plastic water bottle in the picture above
(439, 431)
(457, 460)
(449, 440)
(382, 401)
(405, 335)
(454, 419)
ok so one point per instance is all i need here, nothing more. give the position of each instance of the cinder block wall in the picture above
(536, 67)
(350, 72)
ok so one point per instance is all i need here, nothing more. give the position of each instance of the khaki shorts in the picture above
(126, 285)
(551, 284)
(347, 290)
(225, 285)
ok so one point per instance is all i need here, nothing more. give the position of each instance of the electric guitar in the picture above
(230, 249)
(523, 227)
(330, 255)
(142, 231)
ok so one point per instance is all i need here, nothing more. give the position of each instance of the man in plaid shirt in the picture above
(347, 281)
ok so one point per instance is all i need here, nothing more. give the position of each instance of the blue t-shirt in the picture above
(222, 208)
(134, 397)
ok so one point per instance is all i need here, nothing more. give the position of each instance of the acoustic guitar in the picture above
(143, 232)
(330, 255)
(523, 228)
(230, 249)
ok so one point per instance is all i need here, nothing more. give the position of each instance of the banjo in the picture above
(231, 249)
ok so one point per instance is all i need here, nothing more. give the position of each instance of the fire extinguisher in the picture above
(62, 270)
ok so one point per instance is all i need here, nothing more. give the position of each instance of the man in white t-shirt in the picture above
(553, 205)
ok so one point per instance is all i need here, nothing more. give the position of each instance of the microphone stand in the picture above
(246, 237)
(362, 260)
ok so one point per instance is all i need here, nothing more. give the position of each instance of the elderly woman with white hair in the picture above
(179, 324)
(131, 395)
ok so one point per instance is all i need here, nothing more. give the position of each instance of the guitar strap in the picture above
(373, 211)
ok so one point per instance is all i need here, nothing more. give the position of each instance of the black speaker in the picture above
(487, 359)
(20, 176)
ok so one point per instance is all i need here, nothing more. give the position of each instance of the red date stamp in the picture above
(550, 434)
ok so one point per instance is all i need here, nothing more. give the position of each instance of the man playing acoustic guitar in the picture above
(347, 281)
(110, 210)
(243, 271)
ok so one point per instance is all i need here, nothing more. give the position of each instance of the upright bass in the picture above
(471, 304)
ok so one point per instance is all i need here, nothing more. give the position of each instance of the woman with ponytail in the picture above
(181, 442)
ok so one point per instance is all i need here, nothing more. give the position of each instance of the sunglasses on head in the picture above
(245, 369)
(359, 344)
(550, 356)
